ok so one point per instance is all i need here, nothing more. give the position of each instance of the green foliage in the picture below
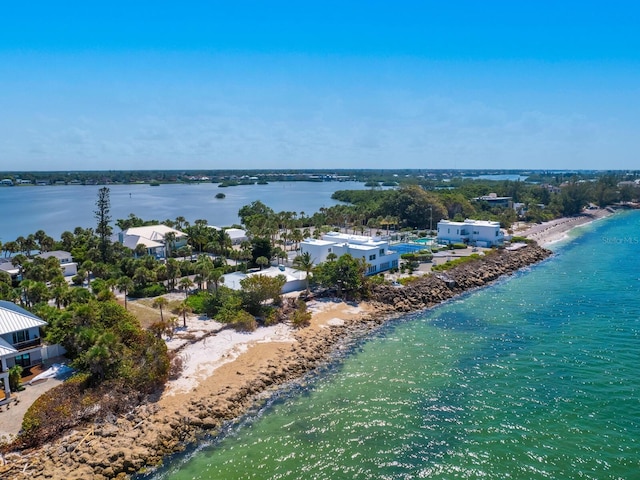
(244, 322)
(257, 289)
(154, 290)
(454, 263)
(518, 239)
(300, 317)
(458, 246)
(346, 274)
(15, 378)
(107, 342)
(261, 247)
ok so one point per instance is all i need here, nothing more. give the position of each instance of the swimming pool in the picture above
(407, 248)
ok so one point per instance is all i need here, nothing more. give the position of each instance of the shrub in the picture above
(154, 290)
(518, 239)
(300, 317)
(245, 322)
(458, 246)
(15, 378)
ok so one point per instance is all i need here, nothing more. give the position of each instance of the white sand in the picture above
(202, 358)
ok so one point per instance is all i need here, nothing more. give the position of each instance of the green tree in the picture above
(262, 262)
(346, 274)
(103, 229)
(160, 303)
(125, 285)
(305, 263)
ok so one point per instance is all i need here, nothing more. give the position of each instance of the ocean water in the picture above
(535, 377)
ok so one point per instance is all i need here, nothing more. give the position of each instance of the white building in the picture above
(152, 238)
(295, 280)
(237, 235)
(68, 266)
(373, 250)
(480, 233)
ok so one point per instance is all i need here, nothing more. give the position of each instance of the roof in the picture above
(14, 318)
(6, 348)
(132, 241)
(153, 232)
(469, 222)
(59, 254)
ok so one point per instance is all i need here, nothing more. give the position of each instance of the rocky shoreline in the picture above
(124, 446)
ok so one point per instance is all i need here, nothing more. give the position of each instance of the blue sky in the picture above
(186, 85)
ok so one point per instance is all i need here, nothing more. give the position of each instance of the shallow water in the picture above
(534, 377)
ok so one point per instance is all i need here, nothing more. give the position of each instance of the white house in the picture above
(152, 237)
(481, 233)
(68, 266)
(373, 250)
(295, 279)
(237, 235)
(20, 341)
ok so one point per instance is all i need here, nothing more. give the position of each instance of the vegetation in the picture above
(119, 361)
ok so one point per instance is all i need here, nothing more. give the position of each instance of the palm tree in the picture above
(185, 284)
(183, 309)
(125, 285)
(262, 262)
(304, 262)
(160, 303)
(169, 242)
(215, 276)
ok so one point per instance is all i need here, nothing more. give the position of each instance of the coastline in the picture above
(224, 387)
(548, 233)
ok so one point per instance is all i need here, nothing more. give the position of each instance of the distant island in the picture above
(374, 178)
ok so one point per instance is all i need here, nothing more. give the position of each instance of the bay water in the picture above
(59, 208)
(534, 377)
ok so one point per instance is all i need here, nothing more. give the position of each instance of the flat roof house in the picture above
(480, 233)
(373, 250)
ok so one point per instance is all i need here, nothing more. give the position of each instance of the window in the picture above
(23, 360)
(372, 257)
(372, 269)
(381, 252)
(21, 336)
(329, 250)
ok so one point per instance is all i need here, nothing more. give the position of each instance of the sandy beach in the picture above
(557, 230)
(226, 372)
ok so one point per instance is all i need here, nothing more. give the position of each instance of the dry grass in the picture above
(145, 314)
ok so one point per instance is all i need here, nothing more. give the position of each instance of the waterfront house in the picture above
(480, 233)
(152, 237)
(373, 250)
(68, 266)
(295, 280)
(20, 341)
(237, 235)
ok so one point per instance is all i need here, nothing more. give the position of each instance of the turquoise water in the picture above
(535, 377)
(406, 247)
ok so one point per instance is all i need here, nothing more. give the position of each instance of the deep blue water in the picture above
(535, 377)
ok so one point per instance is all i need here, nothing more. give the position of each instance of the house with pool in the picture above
(152, 238)
(479, 233)
(375, 251)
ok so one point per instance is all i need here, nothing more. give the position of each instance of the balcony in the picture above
(26, 345)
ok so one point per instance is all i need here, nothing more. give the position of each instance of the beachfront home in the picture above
(295, 279)
(152, 237)
(480, 233)
(20, 341)
(68, 266)
(373, 250)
